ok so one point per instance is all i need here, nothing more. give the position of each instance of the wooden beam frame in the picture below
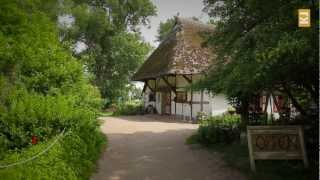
(147, 84)
(172, 88)
(187, 78)
(155, 85)
(199, 102)
(276, 103)
(175, 101)
(267, 103)
(191, 107)
(144, 87)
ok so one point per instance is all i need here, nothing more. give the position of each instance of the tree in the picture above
(260, 48)
(165, 28)
(43, 88)
(115, 65)
(108, 31)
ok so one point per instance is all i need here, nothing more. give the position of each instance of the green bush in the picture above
(27, 114)
(46, 116)
(129, 108)
(73, 157)
(43, 90)
(219, 129)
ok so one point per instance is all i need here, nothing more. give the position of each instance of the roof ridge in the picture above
(185, 21)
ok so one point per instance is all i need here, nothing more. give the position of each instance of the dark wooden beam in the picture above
(175, 101)
(172, 88)
(191, 108)
(187, 78)
(147, 84)
(199, 102)
(144, 87)
(274, 97)
(267, 103)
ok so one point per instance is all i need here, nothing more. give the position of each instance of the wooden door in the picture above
(166, 103)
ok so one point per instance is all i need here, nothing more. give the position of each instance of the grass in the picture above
(106, 113)
(236, 156)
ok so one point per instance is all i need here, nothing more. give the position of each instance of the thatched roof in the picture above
(181, 52)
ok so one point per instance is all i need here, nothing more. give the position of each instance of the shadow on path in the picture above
(155, 150)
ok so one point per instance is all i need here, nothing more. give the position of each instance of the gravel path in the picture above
(153, 148)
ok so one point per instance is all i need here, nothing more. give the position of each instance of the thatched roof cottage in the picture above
(179, 60)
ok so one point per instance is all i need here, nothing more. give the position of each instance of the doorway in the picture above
(166, 103)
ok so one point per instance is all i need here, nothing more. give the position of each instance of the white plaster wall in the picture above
(219, 104)
(146, 101)
(172, 103)
(184, 109)
(158, 102)
(269, 111)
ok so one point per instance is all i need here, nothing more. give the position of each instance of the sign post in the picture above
(304, 19)
(276, 143)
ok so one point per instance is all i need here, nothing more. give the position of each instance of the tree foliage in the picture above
(114, 49)
(165, 28)
(261, 48)
(43, 90)
(126, 54)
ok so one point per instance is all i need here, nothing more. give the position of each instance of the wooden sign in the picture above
(304, 19)
(276, 142)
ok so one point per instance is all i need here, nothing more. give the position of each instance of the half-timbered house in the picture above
(180, 60)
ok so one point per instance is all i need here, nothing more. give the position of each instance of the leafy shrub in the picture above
(219, 129)
(73, 157)
(43, 89)
(30, 114)
(129, 108)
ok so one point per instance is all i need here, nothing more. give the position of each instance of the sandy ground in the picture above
(153, 148)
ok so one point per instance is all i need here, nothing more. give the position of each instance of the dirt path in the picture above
(153, 148)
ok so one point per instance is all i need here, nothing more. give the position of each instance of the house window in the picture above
(152, 97)
(181, 97)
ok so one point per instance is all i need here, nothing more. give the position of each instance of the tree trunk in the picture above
(244, 113)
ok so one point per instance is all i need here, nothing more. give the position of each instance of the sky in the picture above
(169, 8)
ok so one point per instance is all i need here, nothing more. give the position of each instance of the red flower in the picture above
(34, 140)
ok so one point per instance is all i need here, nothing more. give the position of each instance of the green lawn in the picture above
(105, 113)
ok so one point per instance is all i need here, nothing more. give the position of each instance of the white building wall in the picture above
(269, 108)
(146, 99)
(219, 104)
(172, 103)
(216, 106)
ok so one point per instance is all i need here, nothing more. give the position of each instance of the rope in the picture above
(35, 156)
